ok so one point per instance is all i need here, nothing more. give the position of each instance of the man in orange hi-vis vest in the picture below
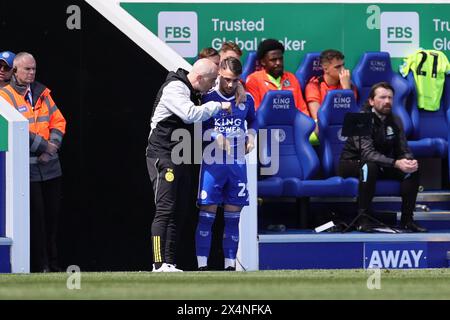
(47, 127)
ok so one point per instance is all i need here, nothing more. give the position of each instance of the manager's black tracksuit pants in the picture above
(45, 201)
(172, 187)
(369, 173)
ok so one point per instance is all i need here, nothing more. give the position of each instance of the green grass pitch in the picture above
(270, 285)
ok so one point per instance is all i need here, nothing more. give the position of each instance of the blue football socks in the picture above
(203, 237)
(231, 237)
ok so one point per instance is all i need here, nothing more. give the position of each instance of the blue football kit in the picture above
(223, 176)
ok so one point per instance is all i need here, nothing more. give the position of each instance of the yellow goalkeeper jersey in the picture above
(429, 68)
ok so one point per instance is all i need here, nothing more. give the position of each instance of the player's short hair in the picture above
(329, 55)
(229, 45)
(207, 52)
(233, 64)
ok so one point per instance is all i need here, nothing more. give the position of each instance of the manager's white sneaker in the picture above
(172, 268)
(166, 267)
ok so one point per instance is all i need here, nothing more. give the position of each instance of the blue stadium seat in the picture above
(374, 67)
(249, 65)
(278, 112)
(308, 68)
(331, 119)
(298, 162)
(430, 128)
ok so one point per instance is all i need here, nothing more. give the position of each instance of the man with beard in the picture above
(272, 76)
(384, 155)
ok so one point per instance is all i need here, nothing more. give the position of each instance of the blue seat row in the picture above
(431, 129)
(427, 132)
(298, 162)
(331, 115)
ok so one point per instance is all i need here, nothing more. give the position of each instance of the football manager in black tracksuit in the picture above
(384, 154)
(177, 106)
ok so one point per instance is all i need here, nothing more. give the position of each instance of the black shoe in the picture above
(363, 224)
(203, 268)
(230, 269)
(46, 269)
(412, 226)
(364, 228)
(56, 269)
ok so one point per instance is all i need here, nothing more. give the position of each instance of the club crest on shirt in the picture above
(389, 131)
(286, 83)
(169, 176)
(281, 136)
(224, 114)
(204, 233)
(241, 106)
(340, 136)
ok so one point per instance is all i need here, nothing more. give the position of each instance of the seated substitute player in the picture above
(272, 76)
(223, 179)
(334, 77)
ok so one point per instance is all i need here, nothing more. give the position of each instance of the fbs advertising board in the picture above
(399, 29)
(3, 134)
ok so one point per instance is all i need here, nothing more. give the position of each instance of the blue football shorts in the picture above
(223, 184)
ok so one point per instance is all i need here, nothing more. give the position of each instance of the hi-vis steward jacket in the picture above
(46, 123)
